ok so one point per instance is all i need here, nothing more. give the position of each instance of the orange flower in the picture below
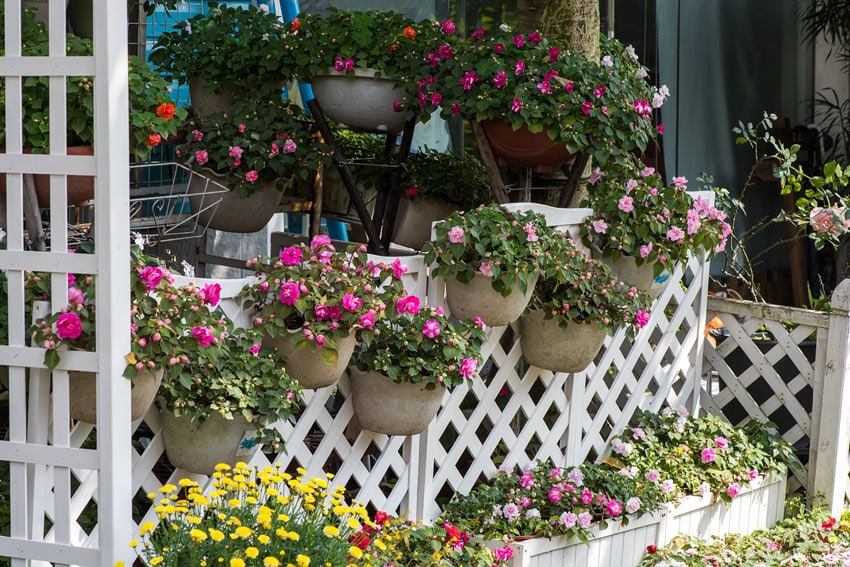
(165, 111)
(393, 47)
(295, 25)
(154, 139)
(410, 33)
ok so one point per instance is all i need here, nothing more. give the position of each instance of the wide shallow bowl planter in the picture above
(384, 406)
(198, 447)
(203, 103)
(478, 299)
(414, 220)
(642, 277)
(306, 365)
(83, 394)
(524, 148)
(227, 210)
(546, 344)
(359, 102)
(755, 508)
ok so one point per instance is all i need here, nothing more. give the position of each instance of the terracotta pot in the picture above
(478, 299)
(228, 211)
(547, 345)
(360, 102)
(83, 394)
(384, 406)
(306, 365)
(414, 220)
(80, 187)
(524, 148)
(198, 447)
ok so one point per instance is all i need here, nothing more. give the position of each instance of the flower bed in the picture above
(757, 507)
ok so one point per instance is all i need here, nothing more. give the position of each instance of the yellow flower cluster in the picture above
(253, 517)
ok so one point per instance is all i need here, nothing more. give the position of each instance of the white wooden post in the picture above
(828, 480)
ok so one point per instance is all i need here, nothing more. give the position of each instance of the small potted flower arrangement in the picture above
(407, 361)
(315, 517)
(362, 64)
(310, 301)
(227, 54)
(437, 184)
(254, 151)
(576, 303)
(645, 228)
(220, 405)
(163, 317)
(154, 118)
(541, 104)
(491, 258)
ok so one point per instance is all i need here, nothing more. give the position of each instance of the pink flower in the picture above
(289, 147)
(486, 269)
(545, 87)
(531, 232)
(641, 318)
(569, 87)
(203, 335)
(753, 474)
(526, 480)
(290, 256)
(680, 182)
(586, 107)
(519, 67)
(535, 38)
(69, 326)
(289, 293)
(468, 367)
(595, 176)
(734, 489)
(554, 52)
(708, 455)
(436, 99)
(252, 176)
(151, 276)
(585, 519)
(675, 234)
(626, 204)
(645, 250)
(202, 157)
(210, 294)
(668, 486)
(500, 79)
(320, 240)
(586, 496)
(241, 127)
(448, 27)
(411, 191)
(503, 553)
(660, 129)
(322, 312)
(554, 494)
(431, 328)
(76, 296)
(235, 152)
(367, 320)
(721, 442)
(614, 508)
(516, 105)
(399, 269)
(599, 226)
(643, 108)
(254, 349)
(351, 302)
(599, 91)
(469, 78)
(633, 504)
(408, 304)
(455, 109)
(456, 235)
(197, 135)
(652, 475)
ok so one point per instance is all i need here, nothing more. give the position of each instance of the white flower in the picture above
(188, 27)
(138, 239)
(631, 51)
(576, 477)
(263, 8)
(633, 504)
(532, 513)
(607, 61)
(188, 269)
(530, 466)
(505, 27)
(683, 411)
(2, 234)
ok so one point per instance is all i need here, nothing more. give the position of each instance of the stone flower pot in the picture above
(547, 345)
(384, 406)
(306, 365)
(478, 299)
(360, 102)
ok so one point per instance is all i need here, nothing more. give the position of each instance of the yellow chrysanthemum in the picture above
(244, 531)
(185, 482)
(380, 545)
(216, 535)
(302, 560)
(331, 531)
(264, 539)
(234, 503)
(167, 488)
(237, 562)
(197, 535)
(355, 552)
(252, 552)
(353, 523)
(195, 520)
(145, 528)
(157, 560)
(222, 467)
(271, 561)
(293, 536)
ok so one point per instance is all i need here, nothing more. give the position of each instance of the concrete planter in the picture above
(227, 210)
(384, 406)
(359, 102)
(306, 365)
(547, 345)
(83, 394)
(478, 299)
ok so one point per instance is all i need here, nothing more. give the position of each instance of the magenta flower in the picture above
(289, 147)
(554, 52)
(69, 326)
(721, 442)
(436, 99)
(431, 328)
(500, 79)
(202, 157)
(455, 109)
(499, 47)
(468, 367)
(599, 91)
(554, 494)
(641, 318)
(586, 496)
(322, 312)
(203, 335)
(734, 489)
(569, 87)
(516, 105)
(545, 87)
(252, 176)
(526, 480)
(254, 349)
(519, 67)
(399, 269)
(469, 78)
(642, 107)
(289, 293)
(351, 302)
(456, 235)
(76, 296)
(367, 320)
(235, 152)
(408, 304)
(290, 256)
(448, 27)
(210, 294)
(503, 553)
(197, 135)
(708, 455)
(753, 474)
(320, 240)
(518, 40)
(151, 276)
(586, 107)
(445, 52)
(614, 508)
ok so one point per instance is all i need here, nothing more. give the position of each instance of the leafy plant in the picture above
(447, 178)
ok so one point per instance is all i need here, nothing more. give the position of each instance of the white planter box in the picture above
(758, 507)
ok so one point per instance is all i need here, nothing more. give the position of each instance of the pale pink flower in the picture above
(708, 455)
(645, 250)
(431, 328)
(680, 182)
(456, 235)
(600, 226)
(675, 234)
(568, 519)
(486, 269)
(626, 204)
(595, 176)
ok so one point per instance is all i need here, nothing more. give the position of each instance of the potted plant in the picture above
(254, 151)
(645, 228)
(576, 303)
(315, 519)
(220, 405)
(163, 317)
(436, 185)
(361, 64)
(491, 259)
(154, 118)
(227, 54)
(540, 103)
(310, 300)
(407, 361)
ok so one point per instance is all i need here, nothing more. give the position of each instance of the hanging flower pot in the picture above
(546, 344)
(228, 211)
(308, 366)
(414, 220)
(392, 408)
(363, 101)
(83, 394)
(478, 299)
(198, 446)
(524, 148)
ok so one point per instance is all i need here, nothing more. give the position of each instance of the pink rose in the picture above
(254, 349)
(351, 302)
(367, 320)
(408, 304)
(431, 328)
(202, 157)
(290, 256)
(456, 235)
(289, 293)
(211, 294)
(203, 335)
(708, 455)
(69, 326)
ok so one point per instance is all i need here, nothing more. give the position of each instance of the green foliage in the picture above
(154, 118)
(447, 178)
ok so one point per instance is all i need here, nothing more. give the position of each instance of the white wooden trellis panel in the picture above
(42, 450)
